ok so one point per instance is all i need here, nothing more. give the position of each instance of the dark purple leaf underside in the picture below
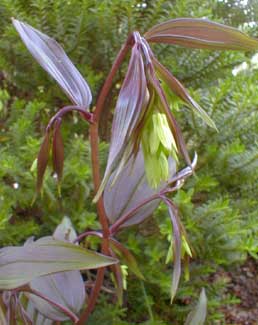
(58, 150)
(130, 189)
(131, 100)
(178, 89)
(202, 34)
(42, 160)
(53, 59)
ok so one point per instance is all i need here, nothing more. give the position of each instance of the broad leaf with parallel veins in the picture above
(201, 34)
(53, 59)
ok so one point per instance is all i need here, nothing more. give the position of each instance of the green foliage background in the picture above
(218, 207)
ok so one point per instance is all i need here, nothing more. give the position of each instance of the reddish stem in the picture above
(108, 83)
(86, 234)
(97, 177)
(115, 227)
(93, 296)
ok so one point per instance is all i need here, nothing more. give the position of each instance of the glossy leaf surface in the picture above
(201, 34)
(43, 257)
(53, 59)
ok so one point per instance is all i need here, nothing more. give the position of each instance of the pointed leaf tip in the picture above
(179, 90)
(201, 34)
(51, 56)
(132, 100)
(43, 257)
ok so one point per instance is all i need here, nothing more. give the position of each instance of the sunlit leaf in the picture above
(45, 256)
(202, 34)
(198, 315)
(53, 59)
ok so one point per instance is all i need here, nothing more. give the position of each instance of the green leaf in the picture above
(20, 265)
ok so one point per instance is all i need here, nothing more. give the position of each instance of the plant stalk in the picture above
(94, 137)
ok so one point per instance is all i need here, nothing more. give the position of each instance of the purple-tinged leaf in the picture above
(58, 151)
(42, 160)
(127, 256)
(38, 318)
(178, 89)
(201, 34)
(45, 256)
(198, 315)
(176, 248)
(132, 99)
(130, 189)
(53, 59)
(65, 288)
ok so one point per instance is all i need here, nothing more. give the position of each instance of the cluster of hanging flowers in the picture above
(146, 138)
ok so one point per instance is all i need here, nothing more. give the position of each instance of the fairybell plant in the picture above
(146, 150)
